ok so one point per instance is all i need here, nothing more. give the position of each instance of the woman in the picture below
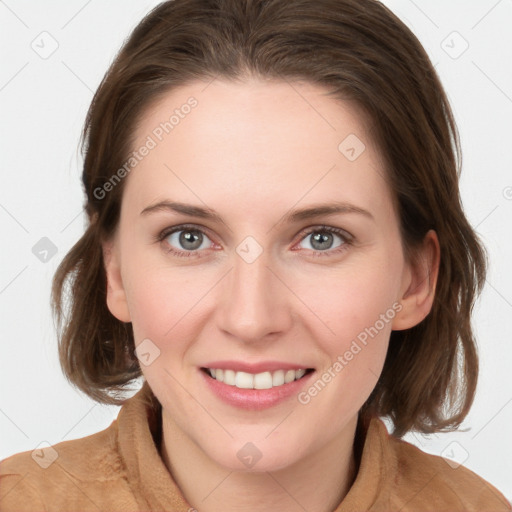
(277, 246)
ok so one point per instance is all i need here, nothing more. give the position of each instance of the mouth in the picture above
(263, 380)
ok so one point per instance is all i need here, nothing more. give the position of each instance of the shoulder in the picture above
(424, 481)
(85, 468)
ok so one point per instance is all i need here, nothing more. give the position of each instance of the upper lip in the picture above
(262, 366)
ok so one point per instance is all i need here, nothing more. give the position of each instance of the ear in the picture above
(419, 284)
(116, 296)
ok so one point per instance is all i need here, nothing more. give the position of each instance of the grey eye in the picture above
(187, 239)
(322, 240)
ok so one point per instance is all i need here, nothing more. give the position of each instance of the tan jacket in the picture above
(120, 469)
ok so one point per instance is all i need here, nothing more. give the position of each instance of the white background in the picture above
(43, 104)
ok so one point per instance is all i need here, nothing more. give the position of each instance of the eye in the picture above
(190, 241)
(322, 240)
(184, 241)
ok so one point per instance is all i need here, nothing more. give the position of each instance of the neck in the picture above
(318, 482)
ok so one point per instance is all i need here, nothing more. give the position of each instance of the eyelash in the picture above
(347, 240)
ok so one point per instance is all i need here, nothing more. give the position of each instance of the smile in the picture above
(263, 380)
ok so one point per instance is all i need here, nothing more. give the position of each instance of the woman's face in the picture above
(252, 278)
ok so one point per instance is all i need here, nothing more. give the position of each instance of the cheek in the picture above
(354, 336)
(353, 314)
(347, 301)
(167, 304)
(157, 299)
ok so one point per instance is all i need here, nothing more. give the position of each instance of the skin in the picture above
(253, 151)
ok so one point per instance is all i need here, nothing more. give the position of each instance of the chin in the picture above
(244, 455)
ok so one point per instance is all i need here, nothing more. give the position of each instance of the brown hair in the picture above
(359, 50)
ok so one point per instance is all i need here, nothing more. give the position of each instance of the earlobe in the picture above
(116, 295)
(419, 284)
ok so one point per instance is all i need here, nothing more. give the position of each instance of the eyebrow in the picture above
(291, 217)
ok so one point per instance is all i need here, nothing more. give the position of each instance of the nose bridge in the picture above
(254, 302)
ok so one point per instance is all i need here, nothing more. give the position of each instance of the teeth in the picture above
(229, 377)
(289, 376)
(265, 380)
(300, 373)
(278, 378)
(244, 380)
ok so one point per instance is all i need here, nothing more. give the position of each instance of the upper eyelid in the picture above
(182, 227)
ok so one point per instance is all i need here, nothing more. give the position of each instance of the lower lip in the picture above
(254, 399)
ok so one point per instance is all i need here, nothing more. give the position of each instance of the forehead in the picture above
(255, 140)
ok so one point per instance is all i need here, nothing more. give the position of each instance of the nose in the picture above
(254, 303)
